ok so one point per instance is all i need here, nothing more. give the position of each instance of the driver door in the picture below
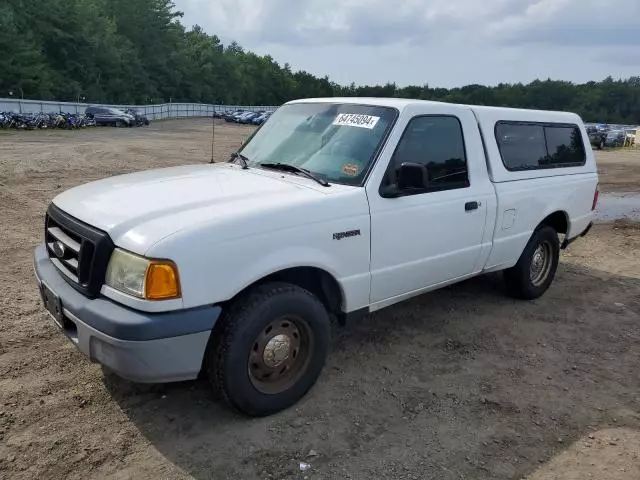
(421, 238)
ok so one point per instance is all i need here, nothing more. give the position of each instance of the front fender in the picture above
(284, 259)
(212, 273)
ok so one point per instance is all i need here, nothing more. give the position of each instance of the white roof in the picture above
(398, 103)
(503, 113)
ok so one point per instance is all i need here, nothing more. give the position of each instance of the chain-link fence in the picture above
(153, 112)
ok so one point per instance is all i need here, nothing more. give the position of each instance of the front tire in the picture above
(536, 268)
(269, 349)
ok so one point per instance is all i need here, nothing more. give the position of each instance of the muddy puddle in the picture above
(615, 206)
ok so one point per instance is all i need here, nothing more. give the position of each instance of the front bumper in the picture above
(139, 346)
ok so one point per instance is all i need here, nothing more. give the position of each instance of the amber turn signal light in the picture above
(162, 282)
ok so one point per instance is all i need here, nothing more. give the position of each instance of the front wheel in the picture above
(270, 348)
(537, 266)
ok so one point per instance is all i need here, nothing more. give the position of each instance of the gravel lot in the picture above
(463, 383)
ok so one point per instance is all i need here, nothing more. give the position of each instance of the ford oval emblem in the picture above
(59, 249)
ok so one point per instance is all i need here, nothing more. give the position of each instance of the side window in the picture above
(564, 146)
(534, 146)
(522, 146)
(437, 143)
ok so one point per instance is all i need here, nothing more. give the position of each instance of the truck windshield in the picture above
(334, 141)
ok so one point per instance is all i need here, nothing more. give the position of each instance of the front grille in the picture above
(79, 251)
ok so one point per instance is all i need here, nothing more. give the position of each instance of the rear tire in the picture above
(268, 349)
(536, 268)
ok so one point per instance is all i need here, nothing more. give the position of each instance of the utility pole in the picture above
(213, 133)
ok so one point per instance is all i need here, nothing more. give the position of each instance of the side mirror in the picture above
(412, 176)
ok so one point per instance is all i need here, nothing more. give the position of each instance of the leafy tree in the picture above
(23, 67)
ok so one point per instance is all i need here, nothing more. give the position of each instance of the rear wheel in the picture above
(269, 349)
(536, 268)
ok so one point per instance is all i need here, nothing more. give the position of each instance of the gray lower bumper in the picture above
(139, 346)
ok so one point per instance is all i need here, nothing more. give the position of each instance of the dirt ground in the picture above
(619, 169)
(463, 383)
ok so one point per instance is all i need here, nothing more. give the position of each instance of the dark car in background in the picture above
(110, 116)
(139, 117)
(615, 138)
(597, 137)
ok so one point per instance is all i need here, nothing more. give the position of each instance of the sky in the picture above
(444, 43)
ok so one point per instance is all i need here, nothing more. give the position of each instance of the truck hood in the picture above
(140, 209)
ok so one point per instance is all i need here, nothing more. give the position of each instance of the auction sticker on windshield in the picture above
(350, 169)
(356, 120)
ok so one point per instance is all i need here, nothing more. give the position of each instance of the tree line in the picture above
(138, 51)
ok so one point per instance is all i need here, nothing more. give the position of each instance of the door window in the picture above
(437, 142)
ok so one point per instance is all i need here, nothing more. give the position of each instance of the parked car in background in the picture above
(597, 136)
(110, 116)
(231, 116)
(260, 119)
(615, 138)
(241, 118)
(139, 117)
(248, 117)
(230, 113)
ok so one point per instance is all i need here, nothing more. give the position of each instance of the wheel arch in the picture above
(558, 220)
(316, 280)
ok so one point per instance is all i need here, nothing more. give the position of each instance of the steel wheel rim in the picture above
(280, 354)
(540, 264)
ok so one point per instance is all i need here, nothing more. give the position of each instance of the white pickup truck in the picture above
(333, 208)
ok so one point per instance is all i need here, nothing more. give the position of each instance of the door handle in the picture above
(471, 206)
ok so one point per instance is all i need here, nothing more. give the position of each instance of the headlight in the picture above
(142, 277)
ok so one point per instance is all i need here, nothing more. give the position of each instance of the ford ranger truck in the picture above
(333, 208)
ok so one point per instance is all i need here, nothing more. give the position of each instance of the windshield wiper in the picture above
(286, 167)
(238, 156)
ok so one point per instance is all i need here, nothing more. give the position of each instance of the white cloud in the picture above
(441, 42)
(575, 22)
